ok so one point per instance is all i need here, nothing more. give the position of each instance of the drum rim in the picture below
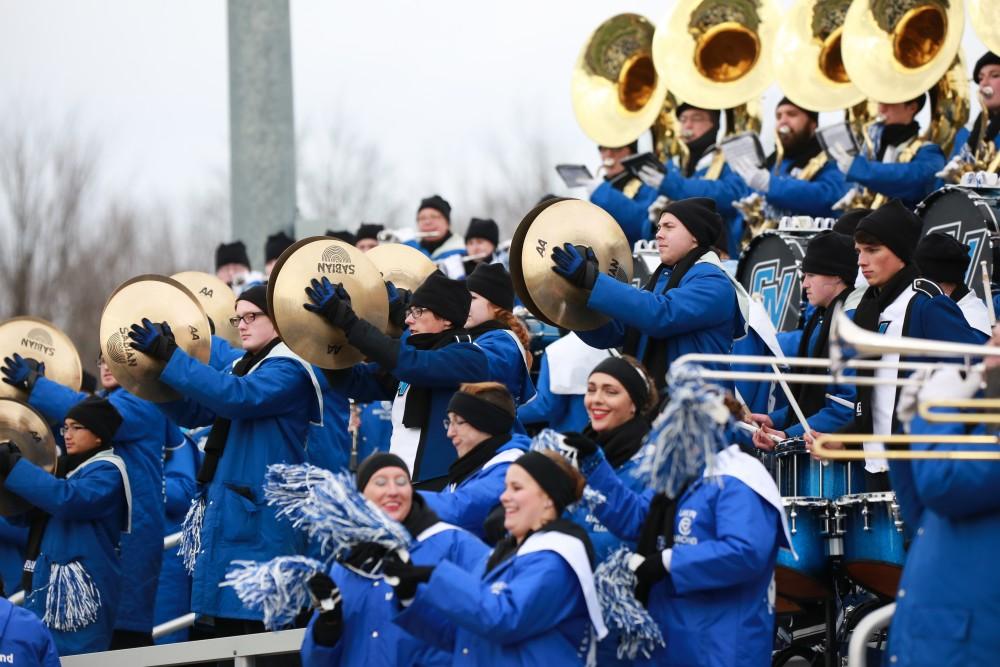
(874, 497)
(805, 501)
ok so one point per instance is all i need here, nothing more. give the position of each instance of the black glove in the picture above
(22, 373)
(584, 446)
(649, 573)
(399, 301)
(407, 574)
(155, 340)
(380, 348)
(330, 623)
(9, 456)
(366, 556)
(577, 264)
(332, 302)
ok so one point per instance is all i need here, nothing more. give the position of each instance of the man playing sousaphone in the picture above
(689, 305)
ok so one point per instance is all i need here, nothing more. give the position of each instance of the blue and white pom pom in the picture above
(638, 633)
(190, 544)
(279, 587)
(686, 435)
(555, 441)
(73, 601)
(328, 508)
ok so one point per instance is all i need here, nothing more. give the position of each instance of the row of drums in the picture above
(830, 516)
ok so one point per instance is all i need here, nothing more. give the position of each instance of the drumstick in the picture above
(988, 293)
(792, 403)
(753, 428)
(841, 401)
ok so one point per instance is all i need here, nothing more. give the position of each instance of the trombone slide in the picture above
(988, 411)
(820, 449)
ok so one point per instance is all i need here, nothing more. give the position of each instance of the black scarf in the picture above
(812, 397)
(992, 129)
(462, 468)
(420, 518)
(508, 546)
(432, 246)
(799, 153)
(876, 300)
(65, 464)
(622, 442)
(659, 522)
(894, 135)
(654, 357)
(216, 442)
(418, 399)
(697, 148)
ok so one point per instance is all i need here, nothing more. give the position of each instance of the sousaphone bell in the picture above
(307, 333)
(160, 299)
(26, 428)
(218, 300)
(38, 339)
(550, 224)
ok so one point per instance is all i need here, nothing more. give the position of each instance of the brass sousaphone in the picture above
(553, 223)
(307, 333)
(26, 428)
(218, 300)
(38, 339)
(160, 299)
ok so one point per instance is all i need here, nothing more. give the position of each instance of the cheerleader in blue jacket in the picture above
(355, 625)
(480, 418)
(73, 575)
(419, 371)
(535, 602)
(260, 410)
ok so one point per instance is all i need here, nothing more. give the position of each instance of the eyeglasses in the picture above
(72, 428)
(415, 312)
(248, 318)
(456, 421)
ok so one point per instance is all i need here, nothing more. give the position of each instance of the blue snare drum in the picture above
(808, 577)
(799, 475)
(872, 532)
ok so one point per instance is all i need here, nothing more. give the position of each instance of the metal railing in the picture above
(857, 649)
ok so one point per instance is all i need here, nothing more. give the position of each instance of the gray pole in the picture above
(261, 122)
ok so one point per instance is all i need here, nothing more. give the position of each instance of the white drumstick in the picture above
(753, 428)
(841, 401)
(988, 293)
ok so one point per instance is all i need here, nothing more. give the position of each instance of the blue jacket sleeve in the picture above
(469, 504)
(705, 298)
(607, 336)
(12, 535)
(815, 197)
(746, 534)
(179, 479)
(729, 187)
(940, 318)
(624, 511)
(910, 181)
(830, 418)
(53, 400)
(88, 495)
(316, 655)
(264, 393)
(631, 214)
(542, 405)
(446, 367)
(365, 383)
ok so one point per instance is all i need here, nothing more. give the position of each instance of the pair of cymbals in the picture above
(402, 265)
(159, 299)
(26, 428)
(218, 300)
(307, 333)
(39, 339)
(551, 224)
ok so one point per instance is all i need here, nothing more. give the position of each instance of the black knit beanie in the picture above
(848, 222)
(376, 462)
(812, 114)
(492, 282)
(438, 203)
(831, 253)
(629, 376)
(276, 244)
(257, 295)
(231, 253)
(942, 258)
(345, 235)
(988, 58)
(98, 415)
(369, 230)
(483, 228)
(446, 298)
(895, 226)
(699, 216)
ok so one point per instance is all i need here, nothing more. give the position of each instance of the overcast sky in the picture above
(433, 82)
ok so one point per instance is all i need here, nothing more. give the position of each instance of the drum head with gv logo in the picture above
(769, 268)
(969, 216)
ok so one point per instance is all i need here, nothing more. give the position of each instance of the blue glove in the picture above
(332, 302)
(154, 340)
(22, 373)
(579, 270)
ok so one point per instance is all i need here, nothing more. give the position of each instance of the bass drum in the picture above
(973, 217)
(769, 267)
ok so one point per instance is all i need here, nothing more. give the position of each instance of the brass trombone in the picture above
(820, 449)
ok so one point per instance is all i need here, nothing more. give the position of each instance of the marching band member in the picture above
(828, 270)
(689, 304)
(73, 575)
(420, 371)
(497, 332)
(434, 222)
(345, 235)
(275, 245)
(481, 240)
(625, 198)
(23, 638)
(355, 626)
(480, 418)
(986, 75)
(260, 410)
(367, 236)
(945, 260)
(904, 165)
(705, 174)
(231, 260)
(535, 603)
(805, 182)
(139, 442)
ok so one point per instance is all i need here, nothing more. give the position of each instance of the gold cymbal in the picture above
(27, 429)
(897, 55)
(404, 266)
(218, 300)
(160, 299)
(551, 224)
(616, 90)
(42, 341)
(306, 333)
(984, 19)
(807, 59)
(717, 53)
